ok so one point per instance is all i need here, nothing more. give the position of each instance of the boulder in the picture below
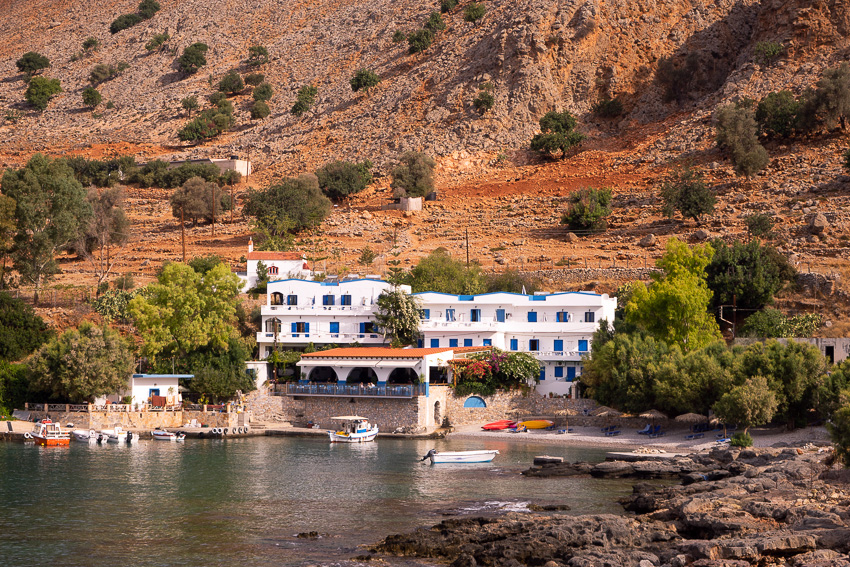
(818, 224)
(648, 240)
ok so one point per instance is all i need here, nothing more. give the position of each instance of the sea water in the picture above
(261, 501)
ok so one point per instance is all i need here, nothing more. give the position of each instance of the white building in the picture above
(280, 265)
(556, 328)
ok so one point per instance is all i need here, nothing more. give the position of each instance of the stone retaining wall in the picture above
(577, 275)
(140, 420)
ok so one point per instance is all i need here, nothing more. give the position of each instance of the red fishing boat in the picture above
(49, 434)
(499, 425)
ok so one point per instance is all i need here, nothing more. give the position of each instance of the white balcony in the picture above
(314, 310)
(321, 338)
(556, 355)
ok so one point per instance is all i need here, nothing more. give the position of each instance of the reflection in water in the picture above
(223, 502)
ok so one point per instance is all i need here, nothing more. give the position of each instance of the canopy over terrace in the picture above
(347, 363)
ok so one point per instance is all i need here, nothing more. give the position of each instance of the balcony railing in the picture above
(319, 337)
(348, 391)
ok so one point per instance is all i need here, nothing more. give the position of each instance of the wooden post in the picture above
(213, 200)
(183, 233)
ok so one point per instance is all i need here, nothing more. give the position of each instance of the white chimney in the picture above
(250, 245)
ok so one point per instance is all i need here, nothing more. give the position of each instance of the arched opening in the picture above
(273, 326)
(403, 376)
(438, 414)
(323, 374)
(277, 298)
(474, 402)
(362, 376)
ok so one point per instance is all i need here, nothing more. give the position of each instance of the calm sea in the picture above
(244, 501)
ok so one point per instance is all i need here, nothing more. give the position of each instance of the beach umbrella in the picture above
(566, 412)
(605, 411)
(691, 418)
(653, 414)
(519, 412)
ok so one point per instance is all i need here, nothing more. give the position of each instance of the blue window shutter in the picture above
(559, 346)
(426, 314)
(362, 327)
(306, 327)
(294, 327)
(500, 315)
(514, 344)
(420, 343)
(559, 372)
(334, 327)
(582, 346)
(467, 342)
(532, 316)
(488, 342)
(435, 343)
(452, 342)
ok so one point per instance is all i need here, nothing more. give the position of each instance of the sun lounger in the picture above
(609, 428)
(612, 433)
(693, 436)
(657, 434)
(562, 431)
(725, 440)
(646, 430)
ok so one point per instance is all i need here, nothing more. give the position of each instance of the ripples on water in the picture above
(244, 501)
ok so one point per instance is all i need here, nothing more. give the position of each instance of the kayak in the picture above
(498, 425)
(537, 424)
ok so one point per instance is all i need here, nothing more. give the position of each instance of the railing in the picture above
(320, 337)
(352, 391)
(110, 408)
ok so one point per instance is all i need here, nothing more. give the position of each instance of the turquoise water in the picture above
(244, 501)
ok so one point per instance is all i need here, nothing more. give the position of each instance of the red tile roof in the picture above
(275, 255)
(385, 352)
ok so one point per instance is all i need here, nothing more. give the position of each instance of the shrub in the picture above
(364, 79)
(263, 92)
(737, 134)
(759, 224)
(193, 58)
(677, 81)
(435, 23)
(31, 63)
(257, 55)
(608, 108)
(419, 41)
(339, 179)
(260, 110)
(447, 5)
(147, 8)
(829, 103)
(685, 191)
(217, 97)
(123, 22)
(558, 134)
(231, 83)
(587, 209)
(103, 72)
(40, 90)
(255, 79)
(90, 44)
(398, 36)
(474, 12)
(91, 97)
(485, 100)
(839, 430)
(157, 41)
(305, 99)
(209, 123)
(294, 203)
(367, 256)
(776, 114)
(189, 104)
(741, 439)
(766, 52)
(413, 176)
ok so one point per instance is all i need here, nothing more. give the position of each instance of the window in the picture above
(559, 345)
(500, 315)
(450, 314)
(582, 346)
(435, 343)
(367, 327)
(559, 372)
(327, 300)
(425, 314)
(475, 315)
(273, 326)
(534, 344)
(589, 317)
(345, 300)
(562, 317)
(272, 270)
(514, 344)
(292, 300)
(335, 327)
(467, 342)
(300, 327)
(532, 316)
(474, 402)
(488, 342)
(452, 342)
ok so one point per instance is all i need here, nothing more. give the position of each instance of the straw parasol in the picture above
(605, 411)
(566, 412)
(653, 414)
(519, 411)
(691, 418)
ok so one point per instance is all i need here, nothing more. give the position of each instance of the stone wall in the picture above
(139, 420)
(578, 275)
(499, 406)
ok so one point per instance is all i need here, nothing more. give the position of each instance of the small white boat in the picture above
(116, 435)
(355, 429)
(482, 456)
(163, 435)
(88, 436)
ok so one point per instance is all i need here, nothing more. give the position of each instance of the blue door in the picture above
(542, 373)
(571, 373)
(514, 344)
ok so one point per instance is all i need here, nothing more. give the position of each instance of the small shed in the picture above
(146, 386)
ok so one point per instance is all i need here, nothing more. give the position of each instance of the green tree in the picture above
(587, 209)
(674, 308)
(398, 315)
(185, 311)
(435, 23)
(413, 176)
(21, 329)
(260, 110)
(839, 430)
(109, 228)
(231, 83)
(209, 123)
(14, 387)
(193, 58)
(198, 199)
(737, 134)
(293, 204)
(750, 404)
(511, 281)
(40, 90)
(91, 97)
(7, 235)
(31, 63)
(829, 103)
(263, 92)
(219, 372)
(557, 135)
(257, 55)
(419, 41)
(51, 211)
(339, 179)
(189, 104)
(304, 100)
(685, 191)
(157, 41)
(82, 364)
(124, 21)
(441, 273)
(776, 114)
(474, 11)
(364, 79)
(770, 323)
(759, 224)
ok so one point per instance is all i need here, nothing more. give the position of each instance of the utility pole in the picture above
(183, 233)
(467, 247)
(213, 200)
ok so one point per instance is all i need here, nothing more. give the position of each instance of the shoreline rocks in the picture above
(778, 506)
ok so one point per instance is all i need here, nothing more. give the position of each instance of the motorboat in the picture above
(499, 425)
(163, 435)
(481, 456)
(88, 436)
(48, 434)
(116, 435)
(354, 429)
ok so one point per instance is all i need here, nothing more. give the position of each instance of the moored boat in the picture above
(499, 425)
(48, 434)
(481, 456)
(355, 429)
(116, 435)
(163, 435)
(88, 436)
(537, 424)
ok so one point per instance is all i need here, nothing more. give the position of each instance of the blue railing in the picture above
(355, 390)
